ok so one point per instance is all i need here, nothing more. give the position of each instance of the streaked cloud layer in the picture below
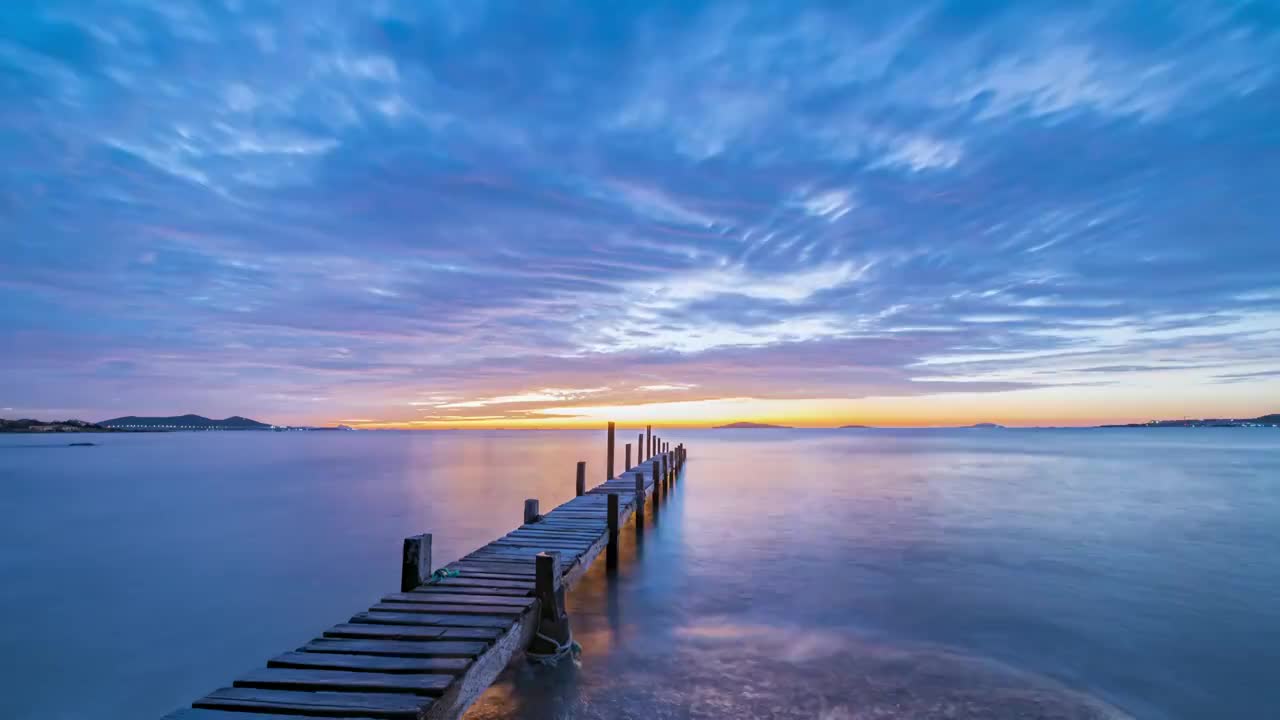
(505, 213)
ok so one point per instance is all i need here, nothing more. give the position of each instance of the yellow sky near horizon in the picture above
(1056, 406)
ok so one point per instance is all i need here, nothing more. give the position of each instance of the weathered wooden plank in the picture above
(399, 648)
(313, 680)
(400, 632)
(438, 589)
(511, 568)
(419, 596)
(388, 706)
(434, 620)
(494, 575)
(449, 609)
(481, 583)
(205, 714)
(368, 663)
(546, 536)
(561, 535)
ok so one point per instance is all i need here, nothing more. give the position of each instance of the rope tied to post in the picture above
(568, 647)
(441, 574)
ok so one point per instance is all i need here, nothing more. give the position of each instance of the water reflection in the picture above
(643, 657)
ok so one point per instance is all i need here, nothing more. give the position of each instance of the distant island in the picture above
(184, 422)
(986, 426)
(1272, 420)
(855, 427)
(750, 426)
(27, 425)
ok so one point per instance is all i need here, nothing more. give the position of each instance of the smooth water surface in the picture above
(807, 574)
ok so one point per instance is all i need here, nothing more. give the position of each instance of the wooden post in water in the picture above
(531, 511)
(611, 550)
(553, 622)
(639, 501)
(627, 456)
(609, 467)
(654, 465)
(640, 448)
(415, 565)
(666, 470)
(648, 433)
(581, 483)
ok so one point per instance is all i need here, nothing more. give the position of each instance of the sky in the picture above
(552, 214)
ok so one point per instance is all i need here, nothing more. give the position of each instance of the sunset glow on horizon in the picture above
(406, 215)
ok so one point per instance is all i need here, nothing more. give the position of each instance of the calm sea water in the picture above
(805, 574)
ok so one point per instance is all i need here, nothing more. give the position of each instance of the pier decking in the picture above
(431, 649)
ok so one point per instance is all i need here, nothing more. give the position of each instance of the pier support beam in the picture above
(627, 458)
(581, 484)
(415, 566)
(648, 433)
(531, 511)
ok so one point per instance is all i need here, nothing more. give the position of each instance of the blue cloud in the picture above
(373, 204)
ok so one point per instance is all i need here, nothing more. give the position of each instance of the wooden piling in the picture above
(648, 433)
(546, 583)
(581, 483)
(640, 498)
(640, 448)
(611, 550)
(415, 567)
(531, 511)
(627, 464)
(609, 467)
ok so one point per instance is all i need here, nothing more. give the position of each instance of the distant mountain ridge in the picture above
(750, 426)
(184, 422)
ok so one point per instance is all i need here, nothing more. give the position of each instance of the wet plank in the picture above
(434, 620)
(418, 596)
(383, 706)
(398, 632)
(481, 583)
(369, 663)
(203, 714)
(312, 680)
(437, 589)
(400, 648)
(442, 609)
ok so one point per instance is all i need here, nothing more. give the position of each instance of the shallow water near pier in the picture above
(806, 574)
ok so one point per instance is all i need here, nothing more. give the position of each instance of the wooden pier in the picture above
(431, 649)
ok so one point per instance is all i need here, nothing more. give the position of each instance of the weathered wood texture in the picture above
(429, 650)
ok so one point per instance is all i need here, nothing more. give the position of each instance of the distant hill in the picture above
(987, 426)
(28, 425)
(1272, 420)
(184, 422)
(855, 427)
(750, 426)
